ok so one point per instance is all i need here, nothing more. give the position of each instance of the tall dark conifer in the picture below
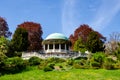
(20, 40)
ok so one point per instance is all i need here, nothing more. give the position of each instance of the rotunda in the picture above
(56, 43)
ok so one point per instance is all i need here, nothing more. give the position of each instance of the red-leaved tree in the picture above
(34, 35)
(4, 29)
(82, 32)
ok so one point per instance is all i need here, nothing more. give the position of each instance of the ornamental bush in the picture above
(14, 65)
(109, 64)
(117, 65)
(35, 60)
(95, 65)
(52, 65)
(43, 64)
(70, 62)
(97, 60)
(55, 60)
(77, 66)
(3, 57)
(47, 68)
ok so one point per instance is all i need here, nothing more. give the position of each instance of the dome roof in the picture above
(56, 36)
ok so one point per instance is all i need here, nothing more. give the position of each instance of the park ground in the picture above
(73, 74)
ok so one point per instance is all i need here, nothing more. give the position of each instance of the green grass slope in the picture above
(73, 74)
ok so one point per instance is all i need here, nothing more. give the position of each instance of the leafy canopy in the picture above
(34, 35)
(94, 43)
(3, 45)
(79, 46)
(4, 29)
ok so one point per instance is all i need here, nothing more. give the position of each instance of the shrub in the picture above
(2, 59)
(43, 64)
(60, 66)
(52, 65)
(117, 65)
(70, 62)
(14, 65)
(55, 60)
(117, 53)
(95, 65)
(97, 60)
(77, 66)
(79, 58)
(47, 68)
(12, 53)
(80, 64)
(19, 54)
(35, 60)
(109, 64)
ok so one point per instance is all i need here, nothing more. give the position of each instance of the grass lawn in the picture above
(73, 74)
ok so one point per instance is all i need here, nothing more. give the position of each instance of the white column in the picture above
(53, 47)
(59, 47)
(65, 48)
(47, 50)
(48, 47)
(44, 47)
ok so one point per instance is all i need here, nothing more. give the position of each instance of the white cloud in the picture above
(102, 14)
(68, 17)
(105, 14)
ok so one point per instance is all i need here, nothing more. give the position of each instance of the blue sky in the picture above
(63, 16)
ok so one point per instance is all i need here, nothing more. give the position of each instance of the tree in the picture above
(3, 45)
(2, 59)
(83, 31)
(117, 52)
(79, 46)
(112, 45)
(3, 51)
(34, 35)
(94, 43)
(20, 40)
(4, 30)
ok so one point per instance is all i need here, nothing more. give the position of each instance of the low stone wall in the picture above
(27, 55)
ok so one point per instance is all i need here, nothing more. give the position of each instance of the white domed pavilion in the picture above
(56, 43)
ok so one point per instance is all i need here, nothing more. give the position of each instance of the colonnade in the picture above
(56, 48)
